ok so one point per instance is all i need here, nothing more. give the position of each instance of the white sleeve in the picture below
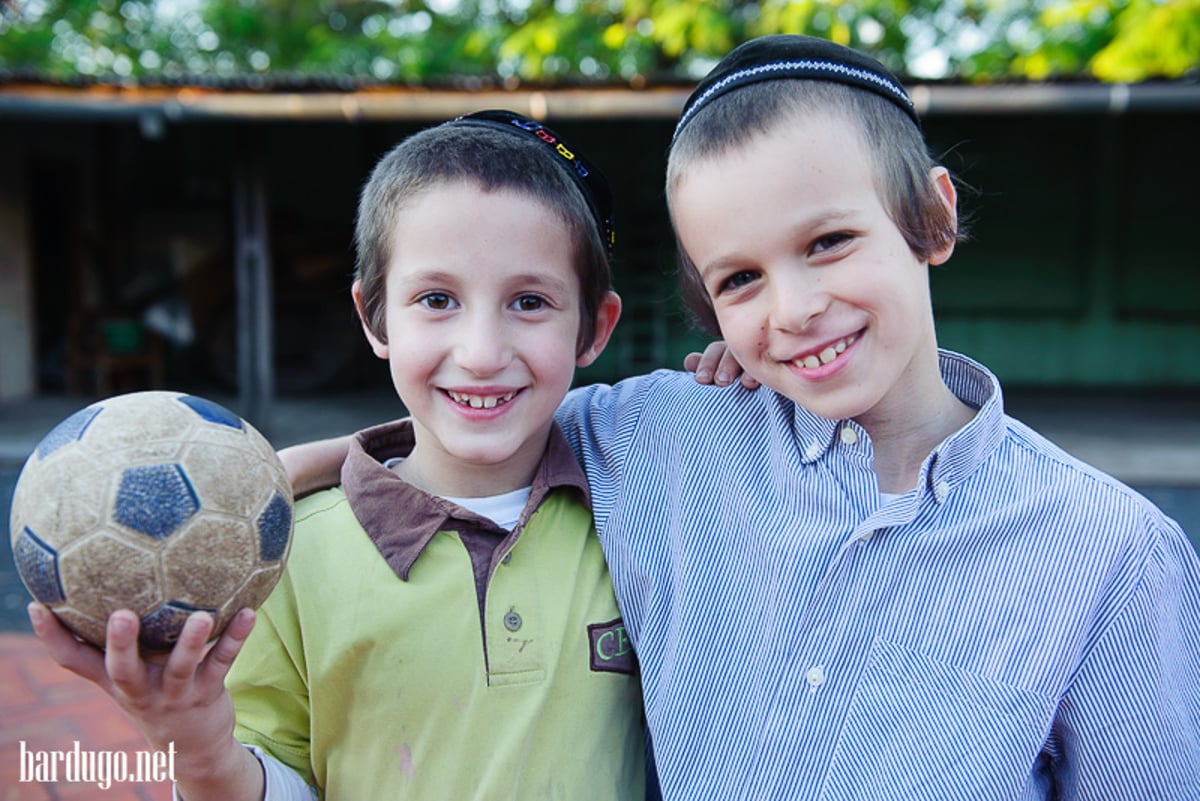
(282, 782)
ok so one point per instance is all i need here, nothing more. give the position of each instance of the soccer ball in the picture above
(159, 502)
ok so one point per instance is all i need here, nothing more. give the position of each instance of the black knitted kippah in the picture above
(793, 56)
(586, 175)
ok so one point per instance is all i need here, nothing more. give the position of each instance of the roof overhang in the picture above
(190, 104)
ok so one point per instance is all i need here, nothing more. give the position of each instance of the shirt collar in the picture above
(960, 453)
(402, 519)
(814, 434)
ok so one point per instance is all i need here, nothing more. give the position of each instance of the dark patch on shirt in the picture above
(611, 651)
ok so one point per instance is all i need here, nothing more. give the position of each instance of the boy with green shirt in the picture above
(446, 626)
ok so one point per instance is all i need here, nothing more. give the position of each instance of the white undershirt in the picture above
(283, 783)
(504, 510)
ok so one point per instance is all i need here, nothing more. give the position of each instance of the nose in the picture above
(483, 345)
(797, 299)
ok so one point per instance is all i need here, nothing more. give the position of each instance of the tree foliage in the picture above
(627, 41)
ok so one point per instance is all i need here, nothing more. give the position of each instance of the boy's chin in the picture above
(833, 405)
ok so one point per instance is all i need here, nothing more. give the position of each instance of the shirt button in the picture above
(815, 676)
(813, 450)
(849, 435)
(507, 558)
(941, 491)
(512, 621)
(866, 535)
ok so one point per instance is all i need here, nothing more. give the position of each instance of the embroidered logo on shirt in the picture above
(611, 650)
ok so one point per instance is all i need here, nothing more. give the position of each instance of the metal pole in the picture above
(255, 346)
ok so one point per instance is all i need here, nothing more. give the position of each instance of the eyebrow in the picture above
(428, 277)
(719, 266)
(540, 281)
(529, 280)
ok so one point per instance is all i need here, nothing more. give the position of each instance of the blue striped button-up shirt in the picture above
(1018, 626)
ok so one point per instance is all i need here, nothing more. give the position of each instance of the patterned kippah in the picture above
(793, 56)
(587, 176)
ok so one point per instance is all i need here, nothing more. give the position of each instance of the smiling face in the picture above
(814, 287)
(482, 324)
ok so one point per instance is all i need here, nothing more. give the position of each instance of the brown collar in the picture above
(401, 519)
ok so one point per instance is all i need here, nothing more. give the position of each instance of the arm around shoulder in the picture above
(317, 465)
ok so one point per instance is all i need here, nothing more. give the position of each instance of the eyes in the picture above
(528, 303)
(825, 249)
(436, 301)
(443, 301)
(830, 242)
(736, 281)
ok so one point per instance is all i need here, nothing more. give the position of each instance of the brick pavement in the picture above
(49, 709)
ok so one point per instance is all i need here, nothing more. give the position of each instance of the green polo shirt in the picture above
(413, 649)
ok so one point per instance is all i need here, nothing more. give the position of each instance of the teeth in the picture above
(828, 354)
(480, 401)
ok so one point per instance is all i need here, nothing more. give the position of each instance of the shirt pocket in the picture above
(919, 728)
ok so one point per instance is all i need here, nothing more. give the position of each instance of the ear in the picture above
(945, 187)
(606, 320)
(379, 347)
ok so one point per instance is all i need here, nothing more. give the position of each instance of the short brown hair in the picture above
(493, 159)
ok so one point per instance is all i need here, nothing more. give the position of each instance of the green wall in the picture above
(1082, 267)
